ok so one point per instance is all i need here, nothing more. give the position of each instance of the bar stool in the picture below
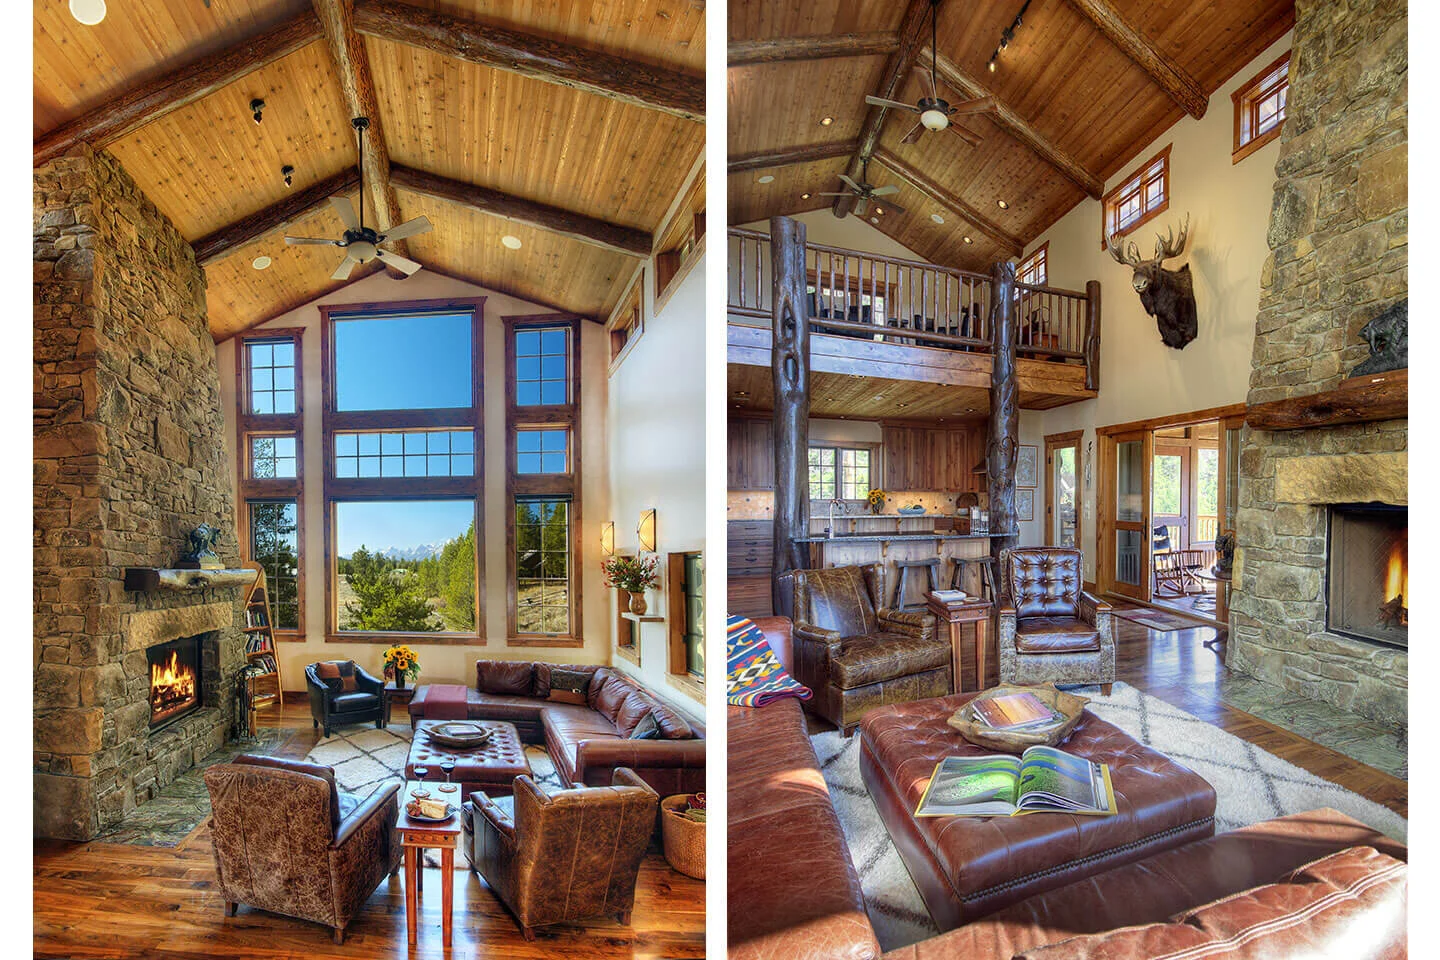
(932, 577)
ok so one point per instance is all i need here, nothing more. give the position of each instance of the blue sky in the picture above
(379, 524)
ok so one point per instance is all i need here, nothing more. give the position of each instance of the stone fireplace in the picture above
(1367, 577)
(129, 455)
(1339, 254)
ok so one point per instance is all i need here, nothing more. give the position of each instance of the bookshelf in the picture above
(265, 688)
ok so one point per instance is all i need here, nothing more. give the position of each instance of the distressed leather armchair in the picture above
(563, 856)
(856, 652)
(1052, 631)
(331, 705)
(288, 842)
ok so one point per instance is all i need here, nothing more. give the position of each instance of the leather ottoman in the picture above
(967, 867)
(489, 769)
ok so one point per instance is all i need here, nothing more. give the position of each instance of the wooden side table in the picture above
(416, 837)
(952, 617)
(392, 695)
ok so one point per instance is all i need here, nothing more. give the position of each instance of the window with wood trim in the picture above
(270, 461)
(1138, 199)
(685, 579)
(1260, 108)
(1034, 269)
(627, 323)
(843, 473)
(404, 478)
(542, 480)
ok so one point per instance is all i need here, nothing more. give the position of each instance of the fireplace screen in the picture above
(1368, 588)
(174, 679)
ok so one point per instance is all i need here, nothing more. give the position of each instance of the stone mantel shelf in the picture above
(150, 579)
(1376, 396)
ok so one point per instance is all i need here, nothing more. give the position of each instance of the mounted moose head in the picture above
(1167, 295)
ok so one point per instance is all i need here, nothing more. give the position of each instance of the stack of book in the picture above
(951, 596)
(1016, 711)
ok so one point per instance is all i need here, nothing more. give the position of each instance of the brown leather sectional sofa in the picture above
(588, 741)
(1293, 886)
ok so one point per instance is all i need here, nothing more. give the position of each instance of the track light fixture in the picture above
(256, 106)
(1007, 35)
(288, 172)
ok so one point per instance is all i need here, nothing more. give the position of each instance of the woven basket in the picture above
(1071, 706)
(684, 839)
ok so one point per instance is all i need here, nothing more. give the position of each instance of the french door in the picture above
(1170, 494)
(1062, 503)
(1124, 550)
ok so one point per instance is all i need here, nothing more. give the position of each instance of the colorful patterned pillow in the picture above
(755, 675)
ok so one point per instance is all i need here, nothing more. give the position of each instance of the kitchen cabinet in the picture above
(750, 454)
(933, 458)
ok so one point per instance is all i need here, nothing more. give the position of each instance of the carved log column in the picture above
(790, 372)
(1092, 335)
(1004, 410)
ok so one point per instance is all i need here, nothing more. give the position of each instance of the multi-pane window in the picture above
(1260, 108)
(692, 588)
(411, 362)
(272, 457)
(409, 453)
(542, 366)
(274, 543)
(1139, 198)
(270, 375)
(542, 451)
(542, 565)
(839, 473)
(1033, 269)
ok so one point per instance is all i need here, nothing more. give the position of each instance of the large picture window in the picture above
(542, 565)
(403, 471)
(274, 543)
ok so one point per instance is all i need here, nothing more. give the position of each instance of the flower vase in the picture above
(876, 507)
(399, 680)
(638, 606)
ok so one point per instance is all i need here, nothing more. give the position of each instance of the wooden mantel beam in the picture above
(600, 233)
(295, 206)
(630, 81)
(741, 53)
(788, 156)
(357, 84)
(180, 87)
(1010, 245)
(1015, 125)
(910, 36)
(1170, 76)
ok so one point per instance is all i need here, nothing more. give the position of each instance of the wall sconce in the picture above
(607, 538)
(646, 530)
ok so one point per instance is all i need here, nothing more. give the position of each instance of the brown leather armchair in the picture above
(563, 856)
(288, 842)
(857, 653)
(1052, 631)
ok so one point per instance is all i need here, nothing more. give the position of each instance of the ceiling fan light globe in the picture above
(361, 250)
(934, 119)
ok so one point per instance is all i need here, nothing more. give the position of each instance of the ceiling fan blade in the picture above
(974, 139)
(929, 83)
(345, 210)
(885, 191)
(862, 205)
(824, 193)
(342, 272)
(403, 264)
(407, 229)
(297, 241)
(914, 135)
(892, 104)
(978, 105)
(850, 183)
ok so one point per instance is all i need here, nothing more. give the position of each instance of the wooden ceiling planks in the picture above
(751, 200)
(781, 104)
(766, 19)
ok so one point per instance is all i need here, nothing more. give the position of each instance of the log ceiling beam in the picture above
(180, 87)
(741, 53)
(600, 233)
(357, 84)
(910, 37)
(1168, 75)
(1015, 125)
(789, 156)
(630, 81)
(295, 206)
(1010, 245)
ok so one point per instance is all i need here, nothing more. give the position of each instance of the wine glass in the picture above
(448, 766)
(420, 774)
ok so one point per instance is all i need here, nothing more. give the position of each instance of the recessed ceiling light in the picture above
(804, 196)
(824, 121)
(879, 209)
(88, 12)
(874, 219)
(765, 179)
(967, 239)
(1003, 204)
(510, 241)
(261, 262)
(937, 218)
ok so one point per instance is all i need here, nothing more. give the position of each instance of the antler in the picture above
(1124, 254)
(1167, 247)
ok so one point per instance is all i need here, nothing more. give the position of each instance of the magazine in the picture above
(1015, 711)
(1041, 780)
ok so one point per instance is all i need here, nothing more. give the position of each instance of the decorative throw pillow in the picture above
(646, 729)
(347, 677)
(329, 673)
(568, 686)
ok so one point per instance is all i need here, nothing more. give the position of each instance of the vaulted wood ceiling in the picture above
(1082, 86)
(573, 131)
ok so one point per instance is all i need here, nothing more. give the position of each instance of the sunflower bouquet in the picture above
(401, 664)
(876, 500)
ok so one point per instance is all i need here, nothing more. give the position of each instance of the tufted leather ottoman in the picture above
(966, 867)
(489, 769)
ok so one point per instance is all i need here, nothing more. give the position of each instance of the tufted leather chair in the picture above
(286, 841)
(857, 654)
(564, 856)
(1052, 631)
(332, 706)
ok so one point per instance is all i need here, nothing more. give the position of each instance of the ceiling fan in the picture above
(935, 113)
(360, 243)
(864, 192)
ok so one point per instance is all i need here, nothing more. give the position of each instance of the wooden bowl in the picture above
(459, 733)
(1073, 707)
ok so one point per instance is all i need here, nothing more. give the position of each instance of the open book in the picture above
(1041, 780)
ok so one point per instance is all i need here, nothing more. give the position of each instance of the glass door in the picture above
(1170, 496)
(1062, 504)
(1130, 553)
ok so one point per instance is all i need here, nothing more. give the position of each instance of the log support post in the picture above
(1092, 335)
(790, 373)
(1004, 411)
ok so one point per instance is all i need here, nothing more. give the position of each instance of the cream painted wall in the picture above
(448, 663)
(1140, 377)
(656, 418)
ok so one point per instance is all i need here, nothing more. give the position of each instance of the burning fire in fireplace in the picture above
(172, 687)
(1394, 612)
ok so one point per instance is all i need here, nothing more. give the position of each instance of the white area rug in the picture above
(1250, 785)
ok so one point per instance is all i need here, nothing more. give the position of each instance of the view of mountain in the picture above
(407, 553)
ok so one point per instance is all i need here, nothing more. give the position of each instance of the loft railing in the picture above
(875, 297)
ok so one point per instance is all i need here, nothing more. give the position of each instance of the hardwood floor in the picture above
(121, 900)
